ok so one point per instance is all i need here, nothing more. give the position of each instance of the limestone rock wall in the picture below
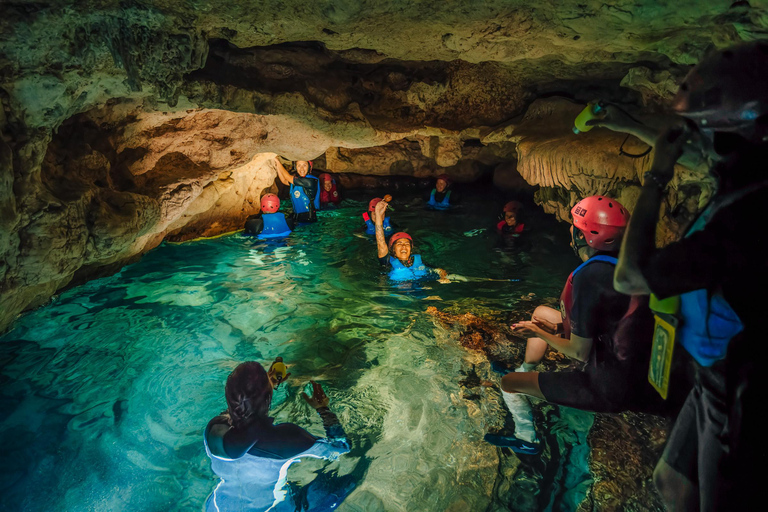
(568, 167)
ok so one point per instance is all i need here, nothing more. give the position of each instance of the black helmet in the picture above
(727, 90)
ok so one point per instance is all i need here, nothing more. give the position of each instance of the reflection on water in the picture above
(106, 391)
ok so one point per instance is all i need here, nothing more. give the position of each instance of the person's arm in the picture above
(639, 241)
(575, 347)
(381, 241)
(282, 174)
(615, 119)
(319, 402)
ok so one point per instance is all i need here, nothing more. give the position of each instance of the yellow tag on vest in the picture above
(661, 354)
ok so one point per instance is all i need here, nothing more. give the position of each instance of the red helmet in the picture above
(325, 177)
(397, 236)
(270, 203)
(373, 203)
(445, 178)
(726, 90)
(602, 220)
(513, 206)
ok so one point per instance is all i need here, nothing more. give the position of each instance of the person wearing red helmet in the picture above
(512, 224)
(718, 439)
(583, 329)
(305, 196)
(329, 193)
(398, 254)
(442, 196)
(370, 218)
(271, 223)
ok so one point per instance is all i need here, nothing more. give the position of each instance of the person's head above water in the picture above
(270, 203)
(401, 245)
(248, 393)
(599, 223)
(725, 95)
(513, 213)
(327, 181)
(442, 183)
(303, 167)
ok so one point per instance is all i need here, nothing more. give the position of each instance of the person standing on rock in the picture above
(304, 190)
(397, 255)
(442, 196)
(714, 453)
(583, 329)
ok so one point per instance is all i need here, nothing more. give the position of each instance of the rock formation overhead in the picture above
(124, 123)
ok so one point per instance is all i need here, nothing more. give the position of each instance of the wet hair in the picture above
(248, 393)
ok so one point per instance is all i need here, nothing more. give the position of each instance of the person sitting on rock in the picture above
(304, 190)
(583, 329)
(270, 223)
(329, 193)
(250, 453)
(397, 255)
(370, 217)
(512, 224)
(442, 196)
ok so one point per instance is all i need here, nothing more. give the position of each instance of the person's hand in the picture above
(668, 148)
(545, 325)
(379, 209)
(527, 328)
(613, 118)
(318, 400)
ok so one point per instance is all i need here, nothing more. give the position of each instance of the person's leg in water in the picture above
(521, 382)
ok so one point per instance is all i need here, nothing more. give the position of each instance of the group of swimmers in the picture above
(698, 300)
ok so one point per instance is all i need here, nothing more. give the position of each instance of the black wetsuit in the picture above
(607, 384)
(719, 441)
(311, 188)
(281, 441)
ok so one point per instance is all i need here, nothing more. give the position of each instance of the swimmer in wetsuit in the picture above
(329, 192)
(442, 196)
(513, 223)
(251, 454)
(397, 256)
(370, 218)
(304, 189)
(270, 223)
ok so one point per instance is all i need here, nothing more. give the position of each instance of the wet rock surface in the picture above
(623, 448)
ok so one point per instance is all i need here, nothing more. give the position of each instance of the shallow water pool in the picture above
(106, 391)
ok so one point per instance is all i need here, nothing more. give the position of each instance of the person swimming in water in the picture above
(442, 196)
(370, 218)
(250, 453)
(397, 255)
(513, 222)
(270, 223)
(329, 192)
(304, 190)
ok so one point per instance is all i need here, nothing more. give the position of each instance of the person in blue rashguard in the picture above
(251, 454)
(305, 190)
(397, 255)
(270, 223)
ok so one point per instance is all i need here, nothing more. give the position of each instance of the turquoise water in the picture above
(106, 391)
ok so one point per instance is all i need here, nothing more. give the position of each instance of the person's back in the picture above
(270, 223)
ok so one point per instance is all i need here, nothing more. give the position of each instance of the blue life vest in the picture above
(708, 321)
(400, 272)
(442, 205)
(370, 227)
(275, 226)
(300, 199)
